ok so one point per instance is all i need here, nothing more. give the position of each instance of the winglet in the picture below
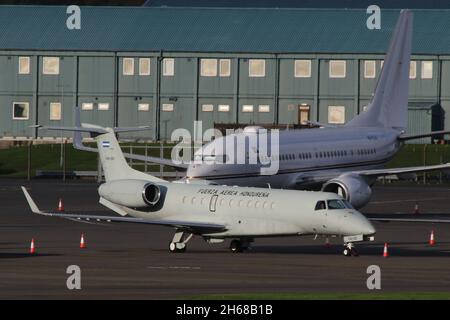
(34, 208)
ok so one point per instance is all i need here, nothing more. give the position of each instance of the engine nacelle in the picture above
(352, 188)
(131, 193)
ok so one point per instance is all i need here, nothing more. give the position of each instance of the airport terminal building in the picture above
(168, 66)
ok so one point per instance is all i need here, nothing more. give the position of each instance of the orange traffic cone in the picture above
(327, 243)
(60, 205)
(32, 248)
(82, 243)
(432, 242)
(416, 208)
(385, 251)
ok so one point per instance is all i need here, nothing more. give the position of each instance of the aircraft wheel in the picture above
(236, 246)
(177, 247)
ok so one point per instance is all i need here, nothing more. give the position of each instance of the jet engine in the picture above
(131, 193)
(353, 188)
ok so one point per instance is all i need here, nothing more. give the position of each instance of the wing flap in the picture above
(407, 217)
(382, 172)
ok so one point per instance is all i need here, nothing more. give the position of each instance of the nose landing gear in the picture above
(240, 245)
(350, 250)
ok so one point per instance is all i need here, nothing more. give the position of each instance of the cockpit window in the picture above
(320, 205)
(348, 204)
(335, 204)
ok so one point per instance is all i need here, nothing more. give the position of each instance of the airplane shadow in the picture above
(14, 255)
(374, 250)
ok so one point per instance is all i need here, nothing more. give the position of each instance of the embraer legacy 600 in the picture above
(344, 159)
(215, 212)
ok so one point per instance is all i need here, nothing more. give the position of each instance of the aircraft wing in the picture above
(382, 172)
(195, 227)
(409, 217)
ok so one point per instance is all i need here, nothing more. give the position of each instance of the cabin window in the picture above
(320, 205)
(335, 204)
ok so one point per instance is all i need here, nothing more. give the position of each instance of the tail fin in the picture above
(113, 161)
(389, 104)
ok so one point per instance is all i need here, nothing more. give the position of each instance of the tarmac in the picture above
(132, 261)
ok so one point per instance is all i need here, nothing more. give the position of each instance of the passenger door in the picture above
(212, 203)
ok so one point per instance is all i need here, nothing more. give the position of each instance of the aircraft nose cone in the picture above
(367, 228)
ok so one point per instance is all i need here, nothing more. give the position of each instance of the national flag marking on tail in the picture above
(106, 144)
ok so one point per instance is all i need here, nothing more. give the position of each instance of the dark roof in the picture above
(216, 30)
(386, 4)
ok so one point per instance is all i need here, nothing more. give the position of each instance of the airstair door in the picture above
(212, 203)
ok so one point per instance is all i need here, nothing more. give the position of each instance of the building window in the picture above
(24, 65)
(21, 110)
(128, 66)
(144, 66)
(302, 68)
(50, 65)
(338, 68)
(143, 107)
(208, 67)
(369, 69)
(168, 67)
(412, 70)
(103, 106)
(225, 67)
(168, 107)
(55, 111)
(381, 64)
(427, 70)
(207, 108)
(247, 108)
(223, 107)
(336, 114)
(87, 106)
(257, 68)
(263, 108)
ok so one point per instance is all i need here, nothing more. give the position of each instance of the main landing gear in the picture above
(240, 245)
(350, 250)
(179, 241)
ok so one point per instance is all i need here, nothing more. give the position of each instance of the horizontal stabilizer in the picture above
(404, 137)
